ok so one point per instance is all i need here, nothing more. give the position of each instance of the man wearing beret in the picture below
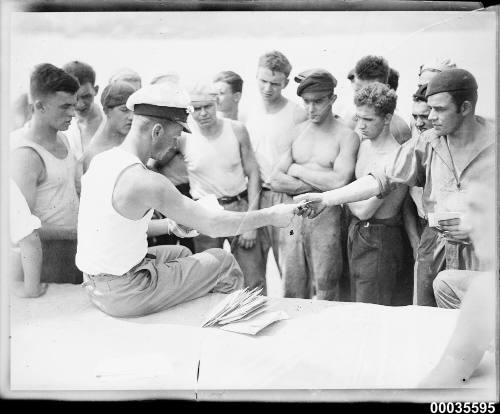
(270, 123)
(119, 194)
(220, 161)
(376, 69)
(118, 120)
(447, 160)
(320, 158)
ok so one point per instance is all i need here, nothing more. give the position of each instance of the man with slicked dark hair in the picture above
(44, 168)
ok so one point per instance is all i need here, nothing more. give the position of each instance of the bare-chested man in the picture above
(320, 158)
(118, 120)
(376, 247)
(89, 117)
(270, 123)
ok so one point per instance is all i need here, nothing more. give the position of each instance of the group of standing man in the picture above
(257, 163)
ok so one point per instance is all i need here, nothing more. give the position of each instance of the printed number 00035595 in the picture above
(462, 407)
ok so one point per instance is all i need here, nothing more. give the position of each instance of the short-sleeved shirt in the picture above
(22, 222)
(427, 162)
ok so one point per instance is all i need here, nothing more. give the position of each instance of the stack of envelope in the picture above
(243, 311)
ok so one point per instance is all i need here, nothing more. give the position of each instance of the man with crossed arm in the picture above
(321, 157)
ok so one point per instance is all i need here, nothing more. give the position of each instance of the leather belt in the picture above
(226, 200)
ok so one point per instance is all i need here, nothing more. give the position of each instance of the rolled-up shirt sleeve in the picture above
(407, 168)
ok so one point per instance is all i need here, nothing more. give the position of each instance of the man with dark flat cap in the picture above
(118, 120)
(119, 194)
(321, 157)
(447, 161)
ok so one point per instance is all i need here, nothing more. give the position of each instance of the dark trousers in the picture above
(58, 265)
(376, 252)
(172, 239)
(436, 253)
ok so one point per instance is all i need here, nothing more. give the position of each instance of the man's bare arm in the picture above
(365, 209)
(251, 170)
(148, 189)
(284, 183)
(410, 217)
(342, 172)
(27, 170)
(250, 166)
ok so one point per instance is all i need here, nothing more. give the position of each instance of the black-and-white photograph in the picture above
(250, 205)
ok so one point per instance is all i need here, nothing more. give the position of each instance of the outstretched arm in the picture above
(143, 189)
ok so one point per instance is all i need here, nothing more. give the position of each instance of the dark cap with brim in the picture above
(315, 80)
(451, 80)
(178, 115)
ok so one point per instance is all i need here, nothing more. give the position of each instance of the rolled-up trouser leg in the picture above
(172, 277)
(450, 287)
(323, 250)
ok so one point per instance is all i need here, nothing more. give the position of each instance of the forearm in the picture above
(322, 180)
(284, 183)
(227, 223)
(253, 189)
(365, 209)
(53, 232)
(31, 259)
(361, 189)
(410, 221)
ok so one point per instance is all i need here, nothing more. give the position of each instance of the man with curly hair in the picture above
(376, 247)
(371, 69)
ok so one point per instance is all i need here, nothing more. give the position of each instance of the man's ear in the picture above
(38, 105)
(286, 83)
(466, 108)
(333, 99)
(388, 119)
(96, 89)
(237, 96)
(156, 132)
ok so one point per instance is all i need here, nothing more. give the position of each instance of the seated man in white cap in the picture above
(220, 161)
(119, 194)
(118, 120)
(321, 157)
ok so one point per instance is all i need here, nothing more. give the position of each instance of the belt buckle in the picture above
(367, 224)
